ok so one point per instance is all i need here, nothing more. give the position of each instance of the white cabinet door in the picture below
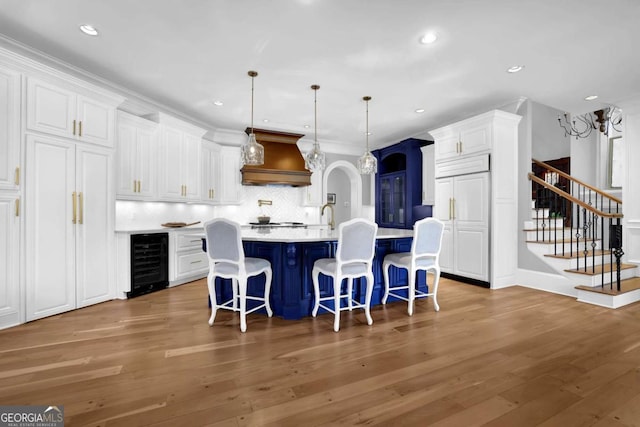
(94, 229)
(210, 173)
(471, 252)
(442, 209)
(50, 219)
(51, 109)
(136, 158)
(446, 250)
(9, 129)
(447, 146)
(179, 169)
(95, 122)
(312, 194)
(58, 111)
(10, 307)
(428, 174)
(230, 176)
(475, 139)
(191, 167)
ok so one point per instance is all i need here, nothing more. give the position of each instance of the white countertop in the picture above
(278, 234)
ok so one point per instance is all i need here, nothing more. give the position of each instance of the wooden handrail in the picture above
(569, 197)
(570, 178)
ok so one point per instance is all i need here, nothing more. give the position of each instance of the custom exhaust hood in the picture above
(283, 162)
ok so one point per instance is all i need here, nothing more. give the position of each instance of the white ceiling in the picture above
(186, 54)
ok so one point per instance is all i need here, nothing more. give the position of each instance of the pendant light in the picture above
(315, 159)
(252, 153)
(367, 164)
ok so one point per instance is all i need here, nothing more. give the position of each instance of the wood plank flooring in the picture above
(513, 357)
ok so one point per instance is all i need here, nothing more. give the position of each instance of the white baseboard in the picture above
(548, 282)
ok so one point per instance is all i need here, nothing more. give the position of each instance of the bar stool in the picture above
(425, 251)
(227, 261)
(354, 258)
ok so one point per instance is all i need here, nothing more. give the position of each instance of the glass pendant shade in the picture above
(367, 164)
(252, 153)
(315, 159)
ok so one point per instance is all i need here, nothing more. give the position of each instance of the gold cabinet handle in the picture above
(196, 262)
(74, 127)
(213, 193)
(138, 186)
(16, 178)
(80, 128)
(75, 207)
(17, 207)
(135, 185)
(81, 203)
(450, 206)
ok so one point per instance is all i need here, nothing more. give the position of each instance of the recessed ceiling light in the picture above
(515, 68)
(429, 38)
(88, 30)
(307, 126)
(218, 103)
(419, 110)
(266, 120)
(368, 133)
(590, 97)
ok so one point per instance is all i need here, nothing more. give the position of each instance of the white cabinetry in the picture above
(428, 174)
(136, 151)
(10, 312)
(57, 110)
(476, 196)
(179, 161)
(312, 194)
(230, 176)
(463, 205)
(211, 172)
(69, 226)
(9, 129)
(186, 258)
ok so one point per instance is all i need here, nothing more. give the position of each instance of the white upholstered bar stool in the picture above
(354, 258)
(227, 260)
(425, 251)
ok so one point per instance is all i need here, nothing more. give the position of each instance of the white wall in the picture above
(548, 140)
(338, 183)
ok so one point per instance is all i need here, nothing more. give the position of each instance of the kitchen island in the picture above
(292, 252)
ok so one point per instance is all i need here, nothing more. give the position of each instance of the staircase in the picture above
(576, 229)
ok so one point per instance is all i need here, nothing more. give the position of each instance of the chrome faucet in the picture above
(332, 222)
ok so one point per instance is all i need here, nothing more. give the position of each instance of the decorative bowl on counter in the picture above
(264, 219)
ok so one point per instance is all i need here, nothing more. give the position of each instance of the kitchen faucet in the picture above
(333, 214)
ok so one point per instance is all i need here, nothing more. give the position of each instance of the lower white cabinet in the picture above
(462, 203)
(187, 260)
(69, 222)
(10, 312)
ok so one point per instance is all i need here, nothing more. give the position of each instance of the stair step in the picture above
(580, 254)
(601, 268)
(627, 285)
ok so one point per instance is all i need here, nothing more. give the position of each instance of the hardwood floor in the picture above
(513, 357)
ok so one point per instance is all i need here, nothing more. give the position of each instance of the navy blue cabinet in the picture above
(399, 183)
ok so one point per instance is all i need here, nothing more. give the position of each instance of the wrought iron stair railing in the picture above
(577, 218)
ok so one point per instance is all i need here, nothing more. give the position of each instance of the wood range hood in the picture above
(283, 162)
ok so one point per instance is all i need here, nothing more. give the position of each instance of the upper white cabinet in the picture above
(428, 174)
(69, 221)
(312, 194)
(136, 151)
(211, 188)
(9, 129)
(472, 138)
(476, 196)
(179, 165)
(230, 176)
(61, 111)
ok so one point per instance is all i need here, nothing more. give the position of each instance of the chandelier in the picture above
(582, 125)
(252, 153)
(315, 159)
(367, 164)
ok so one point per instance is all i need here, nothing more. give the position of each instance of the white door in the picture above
(95, 122)
(95, 225)
(9, 129)
(51, 109)
(10, 313)
(50, 226)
